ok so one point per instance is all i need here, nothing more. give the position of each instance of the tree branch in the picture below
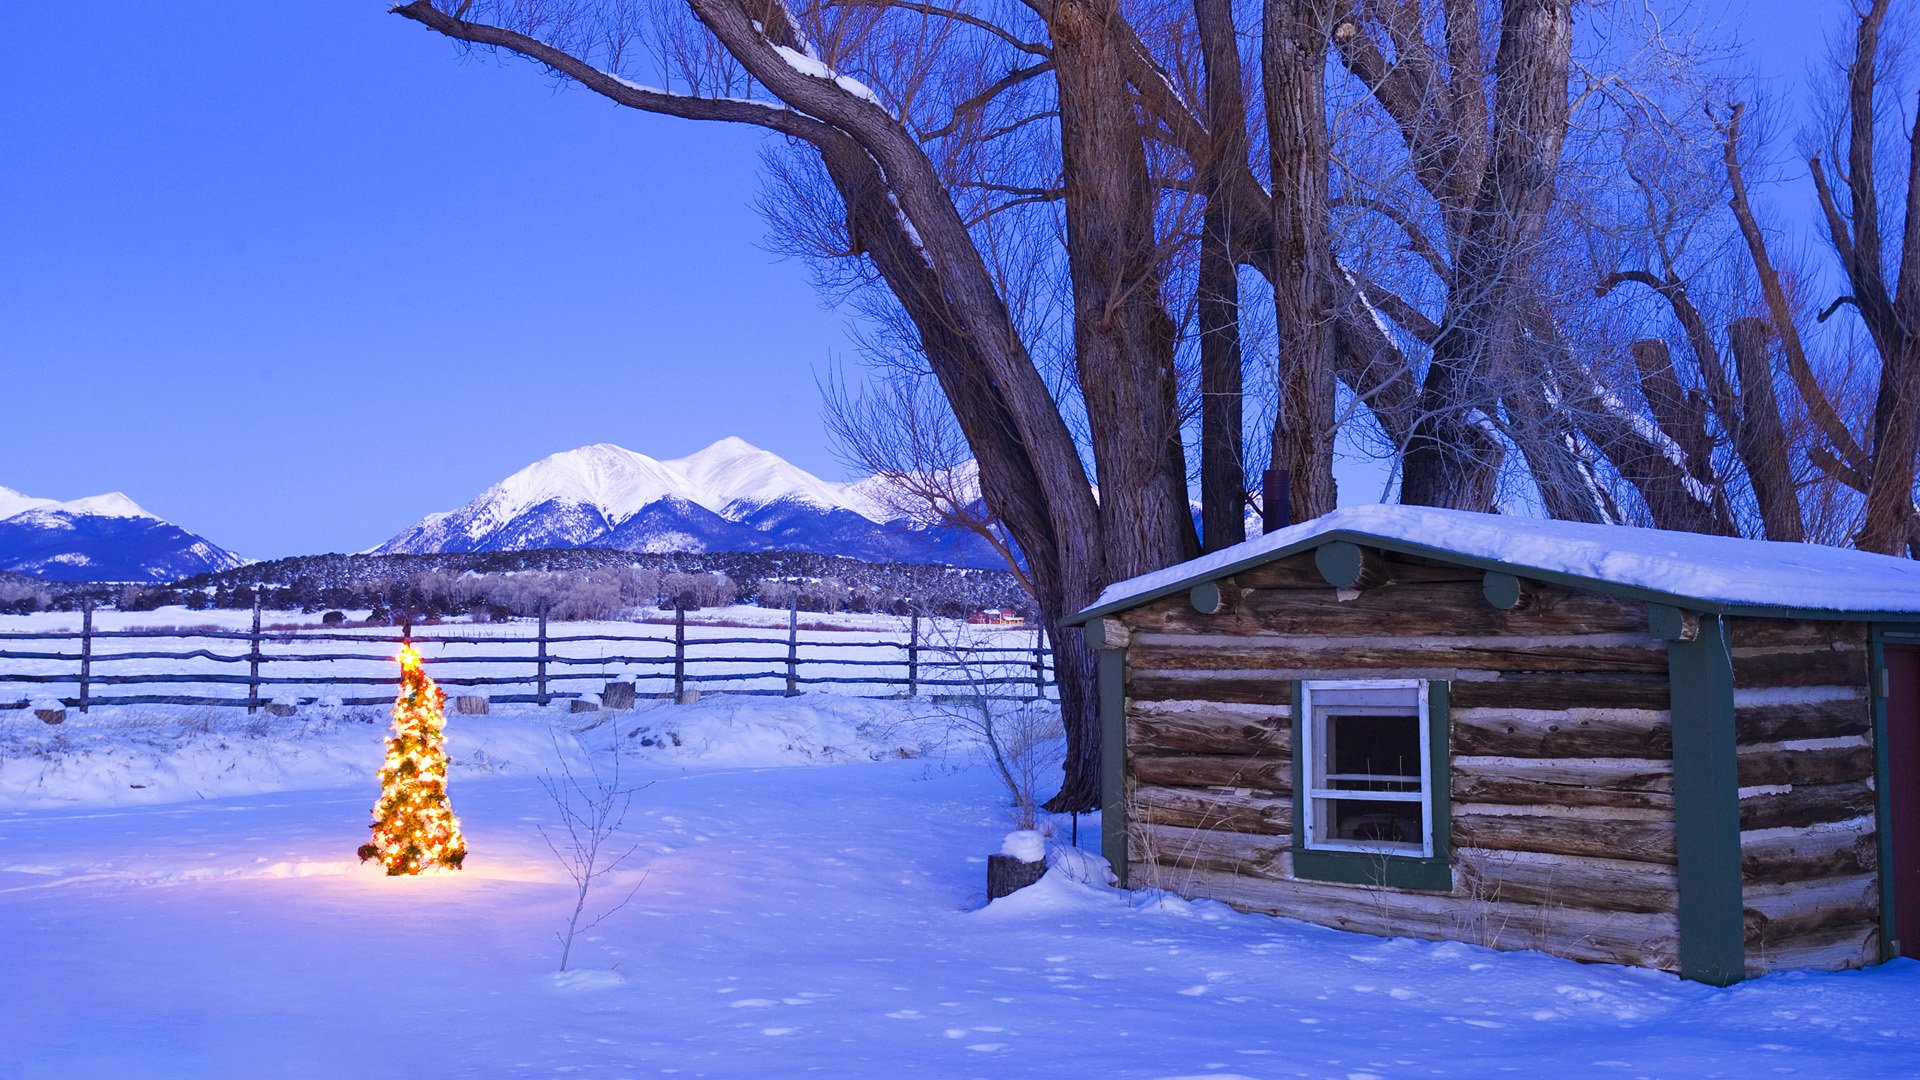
(979, 101)
(937, 12)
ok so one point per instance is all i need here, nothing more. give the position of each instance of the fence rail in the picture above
(299, 668)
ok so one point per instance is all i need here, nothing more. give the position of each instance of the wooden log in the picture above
(1293, 572)
(1438, 608)
(1347, 565)
(1766, 764)
(617, 695)
(1764, 633)
(1599, 884)
(1577, 732)
(1524, 690)
(1207, 727)
(1504, 591)
(1781, 913)
(1786, 856)
(1641, 938)
(1805, 804)
(1639, 783)
(1839, 949)
(1172, 848)
(1208, 597)
(51, 716)
(1212, 770)
(472, 704)
(1609, 833)
(1580, 654)
(1263, 689)
(1007, 875)
(1302, 572)
(581, 705)
(1806, 720)
(1241, 810)
(1799, 667)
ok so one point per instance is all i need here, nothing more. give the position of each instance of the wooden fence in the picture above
(659, 665)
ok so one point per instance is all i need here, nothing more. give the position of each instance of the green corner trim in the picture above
(1882, 774)
(1422, 874)
(1113, 760)
(1706, 806)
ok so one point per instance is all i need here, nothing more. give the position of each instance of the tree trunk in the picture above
(1453, 457)
(1223, 480)
(1760, 437)
(1294, 59)
(1123, 337)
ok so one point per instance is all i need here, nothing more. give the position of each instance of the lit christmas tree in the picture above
(413, 824)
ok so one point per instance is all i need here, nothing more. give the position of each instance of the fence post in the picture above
(540, 658)
(86, 652)
(793, 645)
(253, 660)
(1040, 661)
(679, 652)
(913, 656)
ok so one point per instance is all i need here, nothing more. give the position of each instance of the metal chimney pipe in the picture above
(1276, 500)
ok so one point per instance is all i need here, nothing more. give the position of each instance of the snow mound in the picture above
(725, 731)
(141, 757)
(1027, 845)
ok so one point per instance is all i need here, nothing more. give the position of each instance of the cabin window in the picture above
(1367, 767)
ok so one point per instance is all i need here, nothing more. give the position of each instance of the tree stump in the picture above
(1007, 875)
(279, 708)
(617, 695)
(689, 696)
(582, 705)
(52, 716)
(472, 704)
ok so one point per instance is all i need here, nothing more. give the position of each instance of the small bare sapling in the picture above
(593, 811)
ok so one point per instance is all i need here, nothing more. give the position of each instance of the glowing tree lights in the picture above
(413, 824)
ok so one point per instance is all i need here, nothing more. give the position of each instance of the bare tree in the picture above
(593, 812)
(1043, 208)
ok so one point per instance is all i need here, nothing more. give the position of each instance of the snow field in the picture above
(788, 921)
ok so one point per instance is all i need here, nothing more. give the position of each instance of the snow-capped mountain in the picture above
(100, 538)
(731, 496)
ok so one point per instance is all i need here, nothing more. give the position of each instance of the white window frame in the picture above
(1312, 767)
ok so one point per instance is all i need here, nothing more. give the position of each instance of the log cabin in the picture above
(1691, 753)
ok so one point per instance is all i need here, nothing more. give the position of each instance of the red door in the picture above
(1903, 761)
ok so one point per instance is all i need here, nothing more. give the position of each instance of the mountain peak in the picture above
(730, 447)
(99, 538)
(114, 504)
(730, 495)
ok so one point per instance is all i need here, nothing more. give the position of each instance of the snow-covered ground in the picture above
(789, 921)
(732, 648)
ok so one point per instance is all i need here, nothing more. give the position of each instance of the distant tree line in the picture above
(568, 583)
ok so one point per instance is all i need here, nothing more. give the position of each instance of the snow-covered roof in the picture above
(1710, 573)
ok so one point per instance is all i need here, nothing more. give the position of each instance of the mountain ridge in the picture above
(100, 538)
(730, 495)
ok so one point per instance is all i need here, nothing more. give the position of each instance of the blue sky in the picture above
(294, 275)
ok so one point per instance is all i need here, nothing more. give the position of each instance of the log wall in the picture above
(1562, 787)
(1809, 851)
